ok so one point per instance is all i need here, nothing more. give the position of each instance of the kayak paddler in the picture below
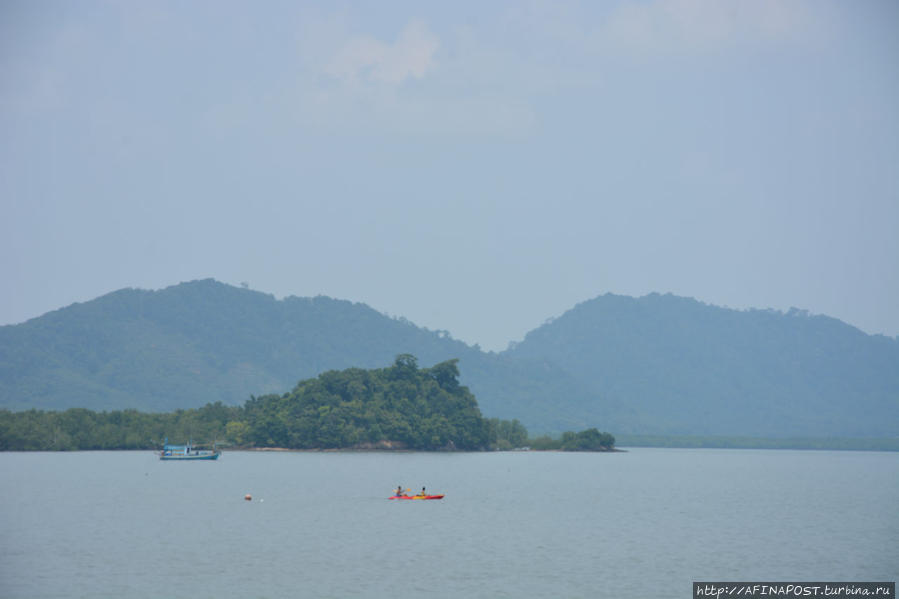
(422, 494)
(399, 491)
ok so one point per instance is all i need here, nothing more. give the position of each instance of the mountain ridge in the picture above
(665, 351)
(658, 364)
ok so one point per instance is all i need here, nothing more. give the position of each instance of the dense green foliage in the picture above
(587, 440)
(78, 428)
(508, 434)
(402, 406)
(407, 406)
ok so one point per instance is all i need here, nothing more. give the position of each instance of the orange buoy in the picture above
(248, 497)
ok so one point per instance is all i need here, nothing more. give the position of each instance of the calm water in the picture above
(645, 523)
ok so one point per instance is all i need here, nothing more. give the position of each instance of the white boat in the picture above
(187, 452)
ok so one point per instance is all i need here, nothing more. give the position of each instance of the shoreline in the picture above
(406, 450)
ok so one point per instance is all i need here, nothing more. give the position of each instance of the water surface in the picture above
(644, 523)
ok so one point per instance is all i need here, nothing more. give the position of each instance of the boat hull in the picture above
(181, 458)
(419, 497)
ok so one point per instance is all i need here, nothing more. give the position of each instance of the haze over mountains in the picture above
(659, 364)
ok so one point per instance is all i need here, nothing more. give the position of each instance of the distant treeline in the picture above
(402, 406)
(733, 442)
(588, 440)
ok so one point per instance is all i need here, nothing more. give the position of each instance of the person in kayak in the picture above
(399, 491)
(422, 494)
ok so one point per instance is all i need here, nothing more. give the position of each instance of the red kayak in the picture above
(416, 497)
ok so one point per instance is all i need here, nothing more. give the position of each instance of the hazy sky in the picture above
(472, 166)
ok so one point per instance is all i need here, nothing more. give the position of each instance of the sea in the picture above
(633, 524)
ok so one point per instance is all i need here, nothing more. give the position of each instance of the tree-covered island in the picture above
(402, 406)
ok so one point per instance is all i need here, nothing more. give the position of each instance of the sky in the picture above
(474, 167)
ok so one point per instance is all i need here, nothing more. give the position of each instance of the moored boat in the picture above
(187, 452)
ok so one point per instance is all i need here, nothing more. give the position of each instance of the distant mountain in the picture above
(684, 367)
(193, 343)
(653, 365)
(204, 341)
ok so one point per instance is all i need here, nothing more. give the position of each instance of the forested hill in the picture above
(402, 406)
(195, 343)
(686, 367)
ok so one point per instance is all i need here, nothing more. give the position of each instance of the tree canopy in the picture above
(586, 440)
(402, 406)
